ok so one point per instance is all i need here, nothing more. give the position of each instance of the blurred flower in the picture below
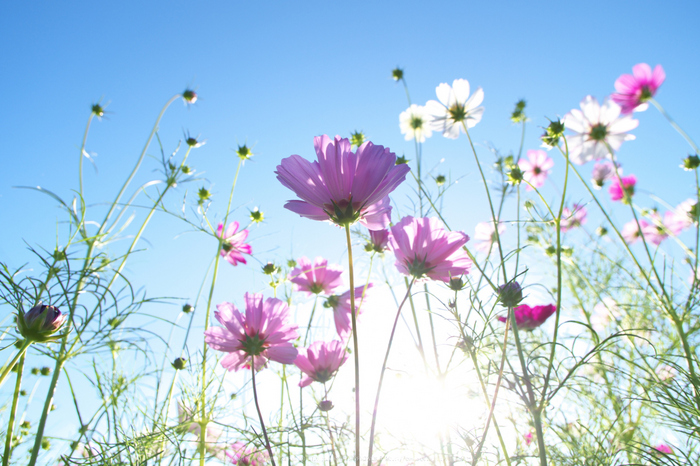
(536, 169)
(682, 217)
(40, 323)
(342, 309)
(241, 455)
(663, 448)
(233, 245)
(189, 96)
(528, 438)
(189, 423)
(316, 278)
(321, 361)
(415, 123)
(424, 249)
(510, 294)
(485, 232)
(256, 216)
(572, 219)
(262, 332)
(529, 318)
(397, 74)
(179, 364)
(631, 231)
(656, 231)
(602, 172)
(665, 372)
(455, 108)
(691, 163)
(623, 192)
(325, 405)
(596, 127)
(603, 312)
(518, 115)
(343, 186)
(243, 152)
(634, 90)
(378, 241)
(552, 134)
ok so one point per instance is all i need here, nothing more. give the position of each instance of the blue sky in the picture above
(275, 74)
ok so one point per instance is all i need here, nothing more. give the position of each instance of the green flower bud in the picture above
(187, 308)
(189, 96)
(510, 294)
(691, 163)
(243, 152)
(401, 160)
(179, 364)
(440, 180)
(518, 114)
(397, 74)
(256, 216)
(270, 268)
(45, 371)
(357, 138)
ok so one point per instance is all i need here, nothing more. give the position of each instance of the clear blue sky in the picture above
(276, 74)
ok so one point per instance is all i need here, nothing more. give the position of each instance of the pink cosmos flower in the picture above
(528, 438)
(536, 169)
(634, 90)
(321, 362)
(262, 332)
(317, 277)
(242, 455)
(529, 318)
(378, 240)
(656, 232)
(663, 448)
(455, 107)
(572, 219)
(603, 313)
(424, 249)
(681, 217)
(342, 309)
(233, 246)
(631, 232)
(485, 233)
(343, 186)
(603, 172)
(188, 421)
(597, 129)
(616, 191)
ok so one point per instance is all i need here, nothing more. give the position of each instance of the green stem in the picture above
(675, 125)
(257, 407)
(356, 353)
(13, 412)
(82, 152)
(381, 376)
(8, 368)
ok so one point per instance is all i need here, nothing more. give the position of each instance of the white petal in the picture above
(460, 88)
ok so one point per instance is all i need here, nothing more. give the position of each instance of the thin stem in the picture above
(257, 406)
(82, 154)
(675, 125)
(11, 364)
(330, 431)
(13, 412)
(381, 376)
(356, 353)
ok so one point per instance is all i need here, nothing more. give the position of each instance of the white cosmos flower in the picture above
(485, 233)
(455, 107)
(415, 123)
(596, 127)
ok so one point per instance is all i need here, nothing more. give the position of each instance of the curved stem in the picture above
(675, 125)
(257, 406)
(82, 152)
(356, 354)
(13, 412)
(381, 376)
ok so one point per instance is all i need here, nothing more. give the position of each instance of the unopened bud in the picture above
(510, 294)
(40, 323)
(440, 180)
(256, 216)
(518, 114)
(270, 268)
(456, 284)
(325, 405)
(243, 152)
(179, 364)
(98, 110)
(691, 162)
(401, 160)
(45, 370)
(553, 133)
(357, 138)
(397, 74)
(187, 308)
(189, 96)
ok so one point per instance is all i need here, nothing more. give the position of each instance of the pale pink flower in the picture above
(656, 231)
(485, 233)
(233, 246)
(663, 448)
(424, 249)
(378, 240)
(596, 127)
(572, 219)
(188, 421)
(528, 438)
(316, 278)
(415, 123)
(262, 332)
(603, 313)
(602, 172)
(536, 169)
(631, 232)
(455, 108)
(242, 455)
(342, 309)
(343, 186)
(529, 318)
(681, 217)
(321, 361)
(617, 192)
(665, 372)
(634, 90)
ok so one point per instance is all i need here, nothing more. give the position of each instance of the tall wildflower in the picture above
(455, 107)
(343, 186)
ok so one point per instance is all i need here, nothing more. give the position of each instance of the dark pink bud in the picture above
(40, 323)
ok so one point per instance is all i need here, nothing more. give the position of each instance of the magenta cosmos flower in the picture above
(317, 277)
(634, 90)
(663, 448)
(424, 249)
(343, 186)
(262, 332)
(597, 129)
(233, 246)
(321, 361)
(378, 241)
(573, 218)
(536, 168)
(485, 233)
(242, 455)
(342, 309)
(617, 191)
(529, 318)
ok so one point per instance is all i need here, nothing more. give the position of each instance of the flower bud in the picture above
(440, 180)
(691, 163)
(397, 74)
(35, 371)
(243, 152)
(40, 323)
(357, 138)
(510, 294)
(98, 110)
(401, 160)
(179, 364)
(45, 370)
(515, 175)
(325, 405)
(456, 284)
(189, 96)
(256, 216)
(601, 231)
(270, 268)
(553, 133)
(518, 114)
(187, 308)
